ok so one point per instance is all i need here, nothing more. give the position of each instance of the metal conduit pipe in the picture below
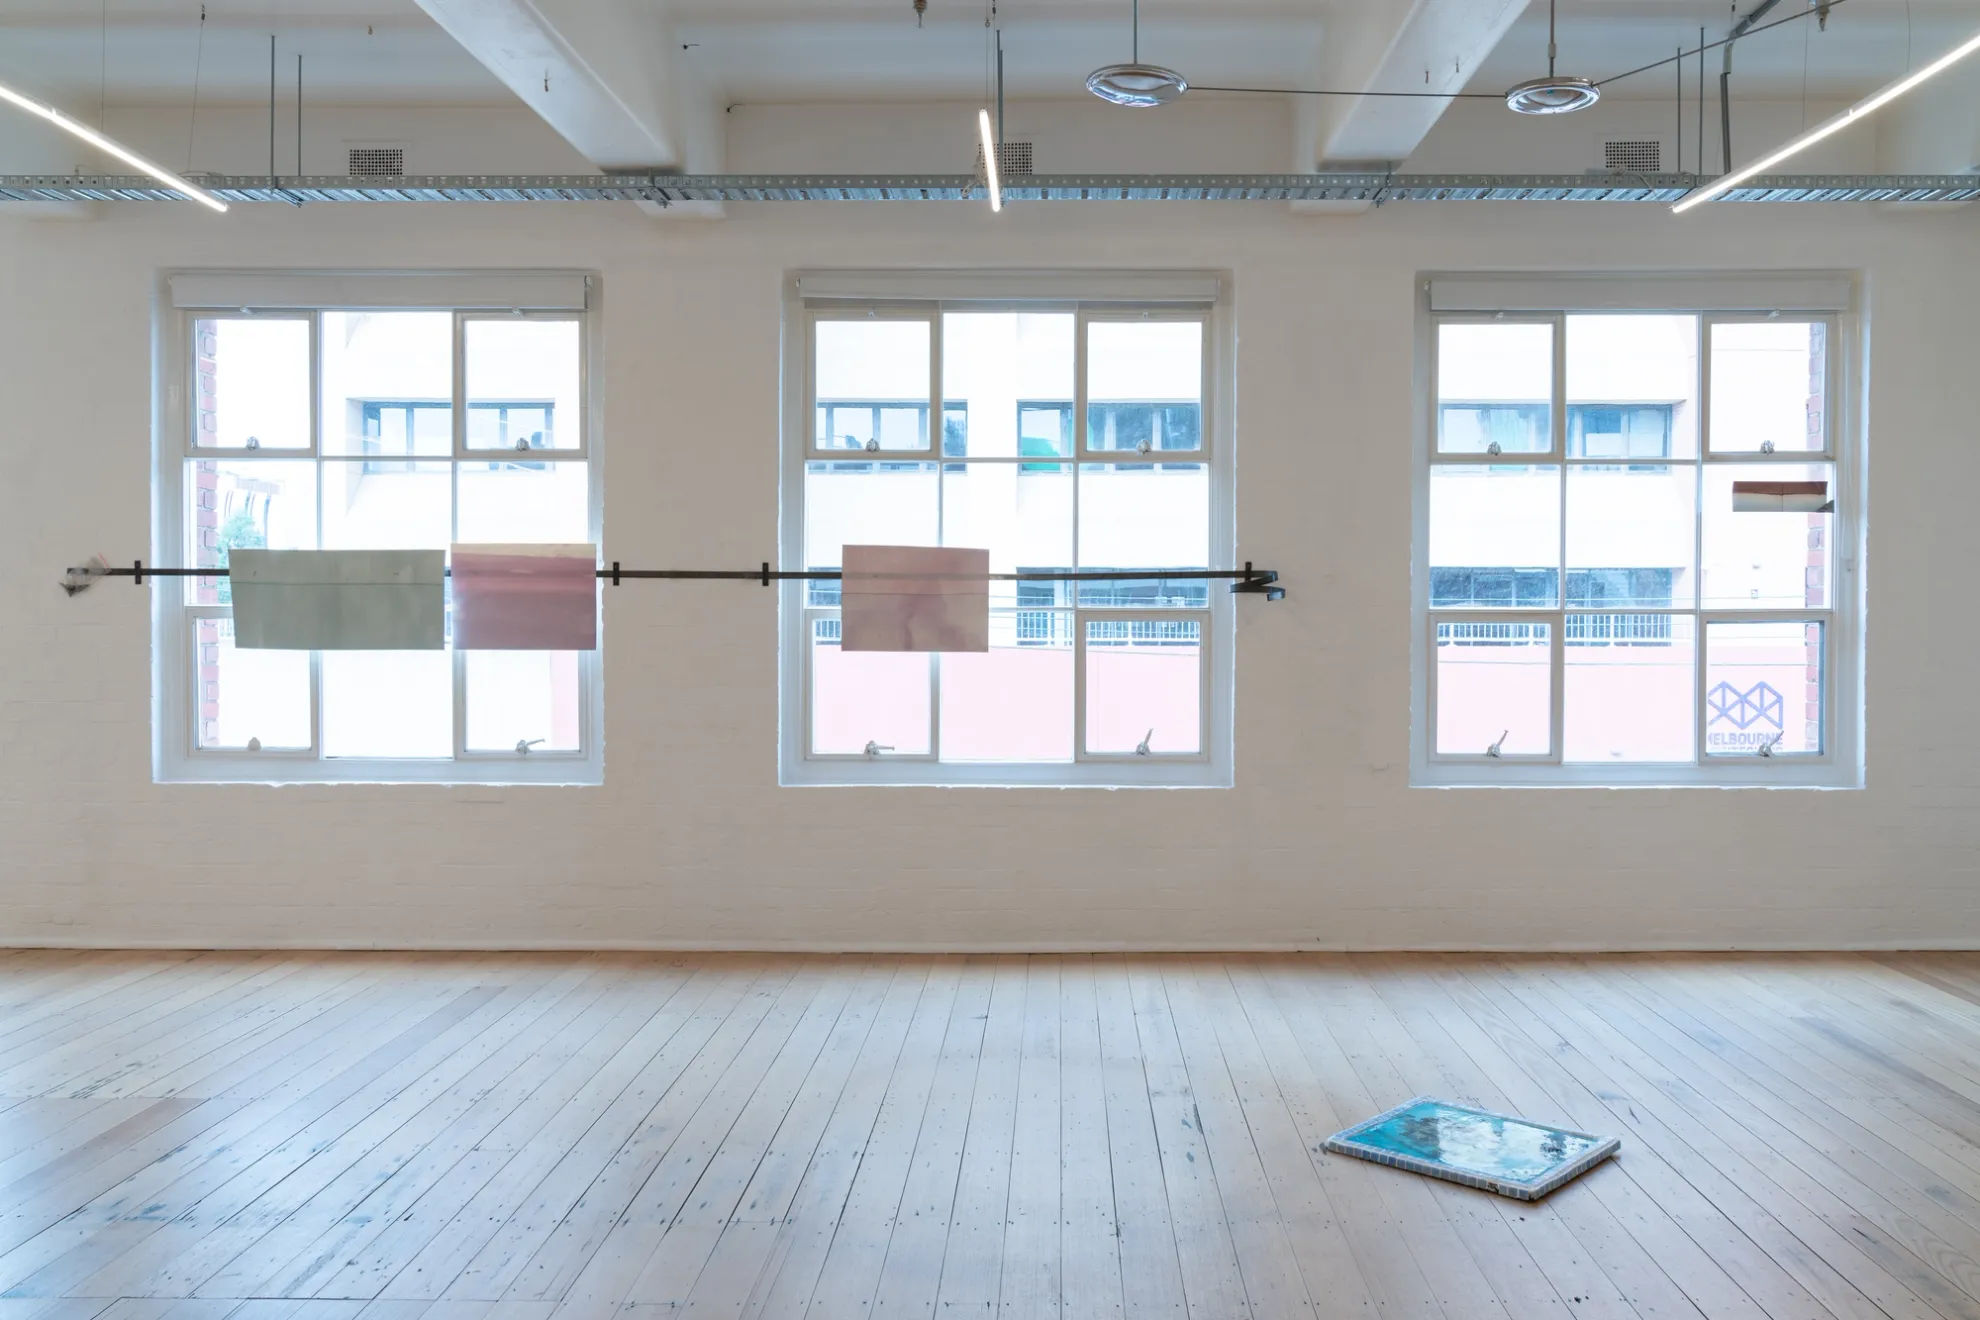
(1740, 29)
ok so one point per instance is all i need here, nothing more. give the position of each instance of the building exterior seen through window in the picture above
(1077, 673)
(1593, 596)
(377, 462)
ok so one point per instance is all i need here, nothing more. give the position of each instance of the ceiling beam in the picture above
(607, 75)
(1393, 46)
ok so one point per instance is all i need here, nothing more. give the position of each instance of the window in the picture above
(1605, 594)
(311, 425)
(1075, 437)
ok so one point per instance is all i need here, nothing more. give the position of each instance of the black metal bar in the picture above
(1247, 578)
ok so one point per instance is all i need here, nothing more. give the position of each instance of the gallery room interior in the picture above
(938, 658)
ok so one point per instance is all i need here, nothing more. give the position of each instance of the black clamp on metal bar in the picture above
(615, 572)
(137, 572)
(1258, 582)
(766, 572)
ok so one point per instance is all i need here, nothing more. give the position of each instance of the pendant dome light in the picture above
(1135, 83)
(1553, 94)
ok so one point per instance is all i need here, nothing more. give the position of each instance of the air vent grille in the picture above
(377, 162)
(1012, 158)
(1637, 156)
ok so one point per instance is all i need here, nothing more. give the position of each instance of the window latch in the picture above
(1767, 748)
(524, 744)
(523, 443)
(1141, 447)
(873, 750)
(253, 442)
(1493, 750)
(1494, 448)
(1766, 446)
(1141, 748)
(872, 446)
(254, 744)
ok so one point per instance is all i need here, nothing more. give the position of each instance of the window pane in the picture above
(1769, 386)
(1631, 534)
(1632, 387)
(394, 704)
(522, 696)
(1007, 379)
(1768, 560)
(865, 503)
(1144, 685)
(1494, 687)
(251, 383)
(871, 382)
(248, 694)
(866, 696)
(1628, 683)
(1144, 385)
(525, 502)
(1022, 514)
(522, 384)
(1495, 385)
(1144, 515)
(1763, 688)
(1015, 701)
(388, 383)
(1495, 536)
(387, 506)
(257, 505)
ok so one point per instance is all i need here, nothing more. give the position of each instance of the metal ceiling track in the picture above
(665, 189)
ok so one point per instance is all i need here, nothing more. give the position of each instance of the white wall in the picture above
(690, 841)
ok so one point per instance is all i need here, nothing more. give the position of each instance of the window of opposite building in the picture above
(290, 420)
(1636, 536)
(1078, 435)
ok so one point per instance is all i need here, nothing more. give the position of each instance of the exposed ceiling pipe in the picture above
(1740, 29)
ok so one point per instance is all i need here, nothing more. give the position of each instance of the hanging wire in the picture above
(1714, 45)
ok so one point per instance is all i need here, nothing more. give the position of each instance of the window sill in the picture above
(277, 771)
(927, 774)
(1781, 772)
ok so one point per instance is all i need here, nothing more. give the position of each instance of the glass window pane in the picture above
(1144, 685)
(1007, 383)
(251, 383)
(1632, 387)
(1766, 560)
(866, 371)
(866, 503)
(1015, 701)
(393, 704)
(1144, 515)
(1022, 513)
(1763, 688)
(1494, 687)
(525, 502)
(387, 505)
(880, 697)
(522, 696)
(1144, 385)
(1770, 386)
(388, 381)
(523, 379)
(1495, 536)
(254, 504)
(1631, 535)
(1495, 385)
(245, 695)
(1628, 687)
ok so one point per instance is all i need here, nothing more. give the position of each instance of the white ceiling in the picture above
(387, 52)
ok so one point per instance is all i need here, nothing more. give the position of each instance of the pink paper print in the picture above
(914, 598)
(525, 597)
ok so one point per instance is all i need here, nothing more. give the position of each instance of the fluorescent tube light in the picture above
(1831, 127)
(990, 159)
(97, 140)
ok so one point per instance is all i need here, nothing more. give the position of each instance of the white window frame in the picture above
(1106, 295)
(187, 297)
(1829, 297)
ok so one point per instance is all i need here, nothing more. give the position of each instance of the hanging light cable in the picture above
(102, 143)
(1726, 183)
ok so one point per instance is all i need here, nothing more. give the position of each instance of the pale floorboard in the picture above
(317, 1136)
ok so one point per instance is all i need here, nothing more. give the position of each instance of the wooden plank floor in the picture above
(286, 1136)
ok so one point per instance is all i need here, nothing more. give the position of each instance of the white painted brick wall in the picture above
(691, 842)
